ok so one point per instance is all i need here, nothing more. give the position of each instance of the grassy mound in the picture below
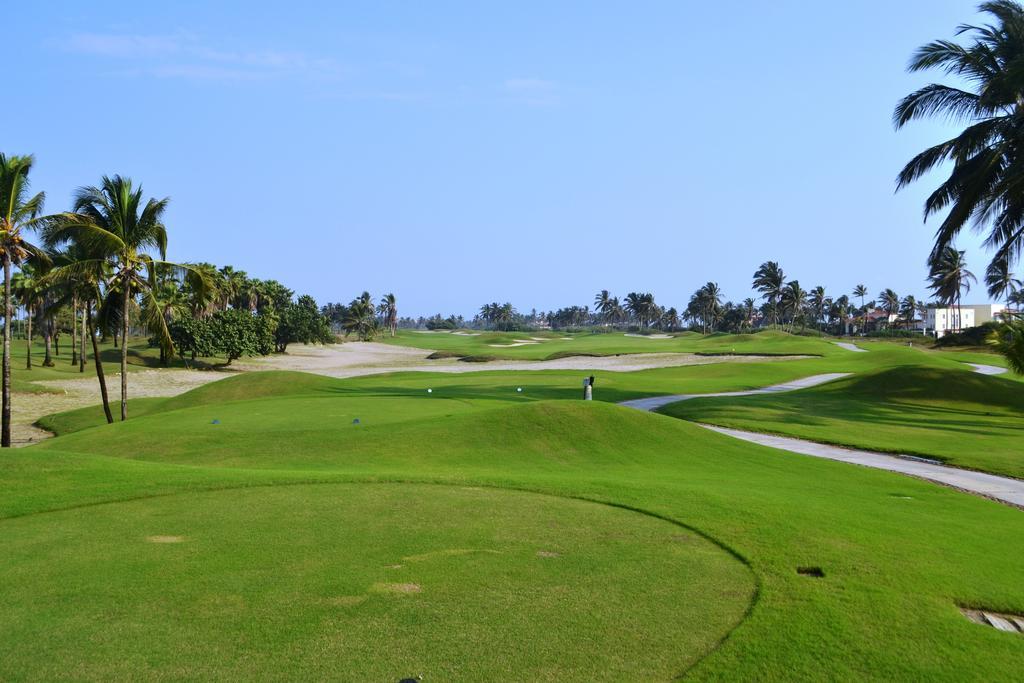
(954, 415)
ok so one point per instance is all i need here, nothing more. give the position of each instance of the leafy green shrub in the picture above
(895, 334)
(972, 336)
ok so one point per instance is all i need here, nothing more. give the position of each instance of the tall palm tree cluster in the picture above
(360, 317)
(499, 316)
(101, 268)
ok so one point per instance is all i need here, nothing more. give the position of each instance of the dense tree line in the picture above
(100, 269)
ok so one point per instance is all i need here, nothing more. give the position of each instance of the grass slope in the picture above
(898, 554)
(955, 415)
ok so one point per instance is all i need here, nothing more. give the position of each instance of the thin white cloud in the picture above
(184, 56)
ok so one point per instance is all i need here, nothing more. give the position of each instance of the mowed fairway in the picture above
(361, 582)
(251, 526)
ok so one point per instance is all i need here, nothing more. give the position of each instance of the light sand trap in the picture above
(515, 343)
(165, 539)
(355, 359)
(983, 369)
(547, 553)
(649, 336)
(466, 334)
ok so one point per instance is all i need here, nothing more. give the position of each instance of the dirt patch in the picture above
(399, 588)
(165, 539)
(452, 552)
(548, 553)
(345, 600)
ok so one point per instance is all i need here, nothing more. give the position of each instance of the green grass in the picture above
(273, 572)
(551, 345)
(958, 416)
(363, 582)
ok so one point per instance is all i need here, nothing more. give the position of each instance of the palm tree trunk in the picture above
(124, 350)
(81, 349)
(48, 343)
(74, 331)
(99, 365)
(5, 429)
(28, 354)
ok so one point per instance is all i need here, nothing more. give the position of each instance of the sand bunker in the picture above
(355, 359)
(649, 336)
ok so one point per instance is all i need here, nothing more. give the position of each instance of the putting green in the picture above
(361, 582)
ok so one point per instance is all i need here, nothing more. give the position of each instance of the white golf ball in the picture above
(430, 391)
(519, 389)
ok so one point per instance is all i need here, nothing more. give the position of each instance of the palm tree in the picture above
(950, 279)
(18, 211)
(861, 291)
(987, 156)
(638, 305)
(890, 303)
(603, 302)
(1000, 281)
(84, 272)
(791, 300)
(25, 289)
(1008, 340)
(748, 312)
(389, 309)
(112, 223)
(841, 311)
(361, 318)
(671, 319)
(818, 303)
(769, 280)
(908, 309)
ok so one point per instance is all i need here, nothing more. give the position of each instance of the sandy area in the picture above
(79, 393)
(342, 360)
(368, 358)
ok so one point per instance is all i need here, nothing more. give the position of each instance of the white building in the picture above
(942, 319)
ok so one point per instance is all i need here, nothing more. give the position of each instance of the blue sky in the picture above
(460, 153)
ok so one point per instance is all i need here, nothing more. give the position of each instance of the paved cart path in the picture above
(1004, 489)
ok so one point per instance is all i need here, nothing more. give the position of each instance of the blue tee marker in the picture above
(355, 421)
(215, 422)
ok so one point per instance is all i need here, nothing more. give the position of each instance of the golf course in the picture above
(491, 526)
(512, 342)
